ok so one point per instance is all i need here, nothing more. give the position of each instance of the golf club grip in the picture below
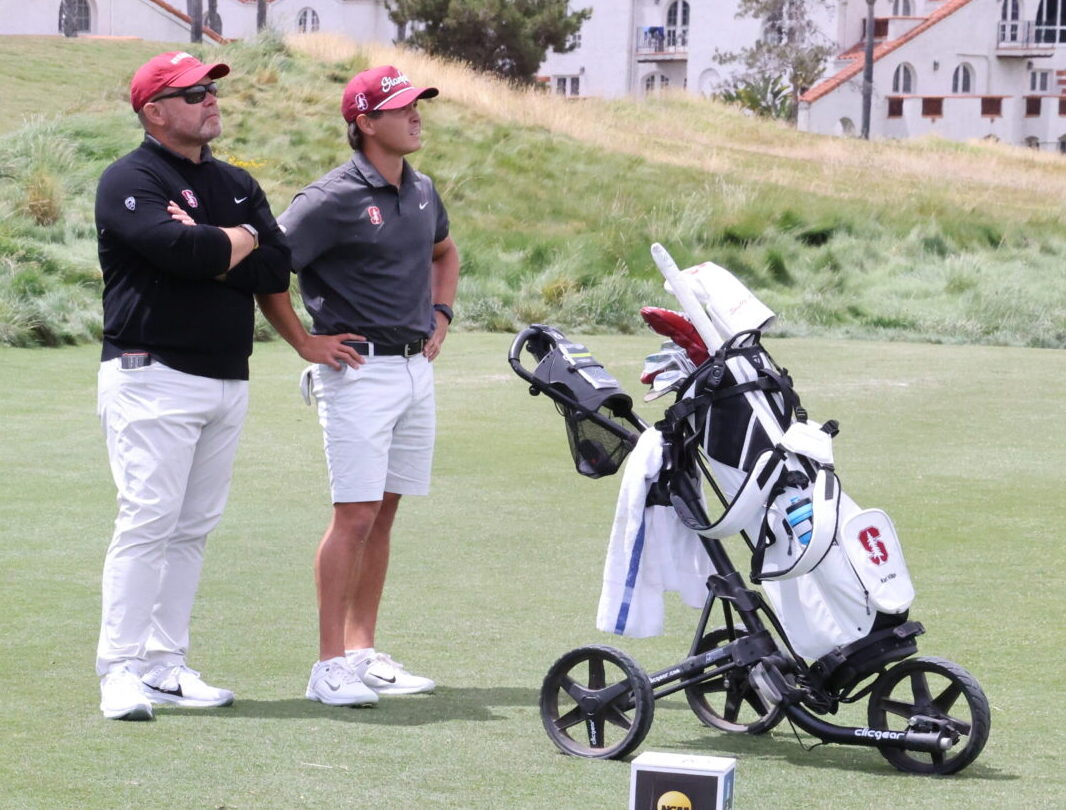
(679, 285)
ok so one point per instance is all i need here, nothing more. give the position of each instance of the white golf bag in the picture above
(828, 567)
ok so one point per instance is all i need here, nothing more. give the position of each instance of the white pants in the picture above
(171, 439)
(378, 425)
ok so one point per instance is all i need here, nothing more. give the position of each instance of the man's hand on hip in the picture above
(434, 341)
(330, 350)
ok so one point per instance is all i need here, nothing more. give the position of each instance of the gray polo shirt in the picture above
(363, 250)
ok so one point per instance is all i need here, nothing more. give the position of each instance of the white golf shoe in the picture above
(122, 696)
(386, 676)
(335, 683)
(180, 686)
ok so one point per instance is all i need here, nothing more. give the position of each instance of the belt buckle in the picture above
(411, 349)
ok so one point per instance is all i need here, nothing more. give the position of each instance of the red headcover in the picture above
(678, 328)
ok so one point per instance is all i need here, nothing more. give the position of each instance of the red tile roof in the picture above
(882, 49)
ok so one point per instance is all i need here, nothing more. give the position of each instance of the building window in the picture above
(307, 21)
(1032, 142)
(1009, 28)
(655, 81)
(1039, 80)
(677, 25)
(933, 107)
(903, 79)
(992, 106)
(1062, 106)
(895, 108)
(82, 16)
(902, 8)
(567, 85)
(1051, 21)
(847, 127)
(1062, 145)
(1032, 106)
(574, 42)
(962, 79)
(214, 22)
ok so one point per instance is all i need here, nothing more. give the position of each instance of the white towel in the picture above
(650, 552)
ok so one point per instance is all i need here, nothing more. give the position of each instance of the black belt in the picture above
(368, 349)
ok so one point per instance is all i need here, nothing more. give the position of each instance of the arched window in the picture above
(962, 79)
(677, 25)
(902, 8)
(81, 16)
(1051, 21)
(847, 127)
(1009, 27)
(1032, 142)
(903, 80)
(213, 21)
(1062, 145)
(710, 81)
(307, 21)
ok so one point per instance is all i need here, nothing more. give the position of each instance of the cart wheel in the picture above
(596, 702)
(931, 687)
(728, 701)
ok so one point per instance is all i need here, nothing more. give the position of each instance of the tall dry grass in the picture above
(682, 129)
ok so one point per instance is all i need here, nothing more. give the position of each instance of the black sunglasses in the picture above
(192, 95)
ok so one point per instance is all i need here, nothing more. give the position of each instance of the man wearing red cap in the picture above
(185, 243)
(378, 273)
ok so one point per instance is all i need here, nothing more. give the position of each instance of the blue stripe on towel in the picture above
(631, 579)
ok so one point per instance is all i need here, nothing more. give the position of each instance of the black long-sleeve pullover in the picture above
(162, 293)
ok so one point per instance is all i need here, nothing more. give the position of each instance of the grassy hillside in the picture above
(554, 203)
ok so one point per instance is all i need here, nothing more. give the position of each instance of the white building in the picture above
(636, 47)
(958, 68)
(168, 20)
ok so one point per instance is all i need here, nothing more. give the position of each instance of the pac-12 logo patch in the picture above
(131, 203)
(190, 198)
(375, 215)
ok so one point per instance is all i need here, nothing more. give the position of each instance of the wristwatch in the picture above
(253, 232)
(444, 310)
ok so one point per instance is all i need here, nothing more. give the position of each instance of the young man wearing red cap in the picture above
(378, 273)
(185, 243)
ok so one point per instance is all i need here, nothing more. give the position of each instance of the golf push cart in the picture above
(830, 625)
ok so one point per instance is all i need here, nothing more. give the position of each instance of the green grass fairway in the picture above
(497, 573)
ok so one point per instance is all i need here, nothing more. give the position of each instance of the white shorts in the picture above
(378, 426)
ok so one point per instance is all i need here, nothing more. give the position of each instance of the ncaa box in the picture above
(661, 781)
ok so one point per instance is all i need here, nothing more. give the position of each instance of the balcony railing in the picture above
(1022, 36)
(661, 40)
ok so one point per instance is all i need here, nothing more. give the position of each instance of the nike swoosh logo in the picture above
(383, 678)
(239, 200)
(333, 687)
(422, 205)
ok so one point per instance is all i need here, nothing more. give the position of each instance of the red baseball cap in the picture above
(171, 69)
(380, 88)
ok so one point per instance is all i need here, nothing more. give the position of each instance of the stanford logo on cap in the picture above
(375, 215)
(361, 103)
(190, 198)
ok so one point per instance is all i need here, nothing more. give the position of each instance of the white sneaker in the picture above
(386, 676)
(122, 696)
(181, 686)
(335, 683)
